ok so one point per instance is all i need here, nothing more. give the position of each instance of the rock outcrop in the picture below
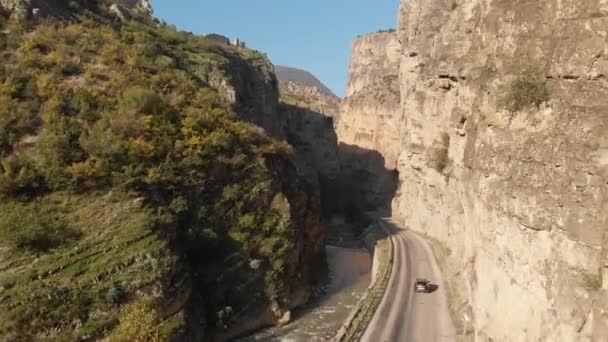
(125, 9)
(122, 9)
(251, 87)
(518, 196)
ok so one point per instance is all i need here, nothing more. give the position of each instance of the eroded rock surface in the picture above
(370, 116)
(518, 197)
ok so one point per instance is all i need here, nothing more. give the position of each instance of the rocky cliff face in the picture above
(251, 87)
(370, 119)
(518, 196)
(370, 116)
(352, 179)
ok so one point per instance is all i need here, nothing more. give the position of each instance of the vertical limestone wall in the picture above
(518, 197)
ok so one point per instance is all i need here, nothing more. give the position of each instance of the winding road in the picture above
(404, 315)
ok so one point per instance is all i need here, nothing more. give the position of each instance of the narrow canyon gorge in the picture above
(188, 180)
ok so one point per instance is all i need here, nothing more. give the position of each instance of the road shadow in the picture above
(433, 288)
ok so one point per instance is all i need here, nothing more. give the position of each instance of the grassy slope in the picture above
(84, 281)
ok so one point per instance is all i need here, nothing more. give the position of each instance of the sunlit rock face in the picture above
(519, 197)
(370, 116)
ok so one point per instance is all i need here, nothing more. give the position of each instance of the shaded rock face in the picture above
(251, 87)
(306, 111)
(304, 266)
(253, 90)
(352, 179)
(519, 197)
(313, 136)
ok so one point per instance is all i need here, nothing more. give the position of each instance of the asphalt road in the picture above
(403, 314)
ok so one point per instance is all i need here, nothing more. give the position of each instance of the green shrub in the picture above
(223, 317)
(115, 294)
(528, 89)
(438, 154)
(70, 68)
(141, 100)
(18, 176)
(139, 323)
(28, 227)
(592, 282)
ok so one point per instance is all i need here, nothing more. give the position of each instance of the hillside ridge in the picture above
(303, 77)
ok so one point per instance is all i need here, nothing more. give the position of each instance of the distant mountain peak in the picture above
(303, 77)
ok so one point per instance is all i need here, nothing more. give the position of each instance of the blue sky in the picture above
(315, 35)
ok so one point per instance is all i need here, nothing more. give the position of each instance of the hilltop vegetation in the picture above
(125, 179)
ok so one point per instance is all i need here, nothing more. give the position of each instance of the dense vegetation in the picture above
(124, 177)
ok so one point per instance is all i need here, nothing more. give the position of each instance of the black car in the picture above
(422, 285)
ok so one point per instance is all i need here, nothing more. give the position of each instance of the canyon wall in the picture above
(518, 195)
(369, 122)
(352, 179)
(370, 116)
